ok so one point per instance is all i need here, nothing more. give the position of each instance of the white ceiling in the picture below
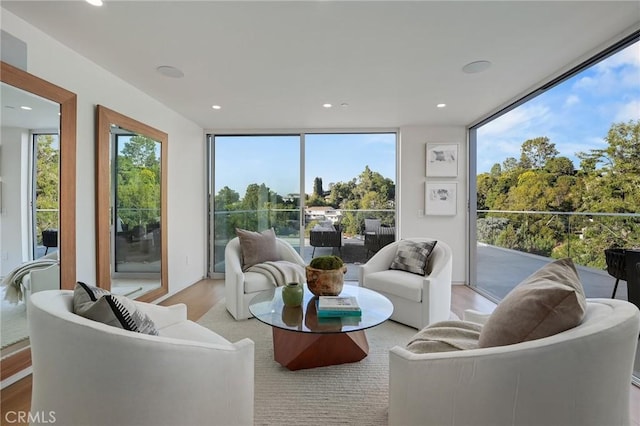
(43, 115)
(271, 65)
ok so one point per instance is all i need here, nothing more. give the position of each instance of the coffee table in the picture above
(302, 340)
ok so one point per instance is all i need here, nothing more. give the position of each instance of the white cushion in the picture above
(397, 283)
(188, 330)
(255, 281)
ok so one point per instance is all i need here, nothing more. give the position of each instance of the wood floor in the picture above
(203, 295)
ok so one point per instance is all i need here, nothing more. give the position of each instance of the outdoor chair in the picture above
(326, 238)
(616, 266)
(380, 237)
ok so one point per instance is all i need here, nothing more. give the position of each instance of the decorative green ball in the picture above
(326, 262)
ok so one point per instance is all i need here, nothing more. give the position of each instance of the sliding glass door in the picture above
(256, 186)
(314, 189)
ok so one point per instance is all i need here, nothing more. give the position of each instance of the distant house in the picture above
(322, 213)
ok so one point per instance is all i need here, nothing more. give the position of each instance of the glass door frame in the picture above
(210, 173)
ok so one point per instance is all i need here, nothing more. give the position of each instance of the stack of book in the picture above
(338, 306)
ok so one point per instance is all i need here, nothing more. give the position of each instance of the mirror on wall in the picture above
(131, 207)
(37, 201)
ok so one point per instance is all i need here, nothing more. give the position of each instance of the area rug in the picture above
(13, 321)
(347, 394)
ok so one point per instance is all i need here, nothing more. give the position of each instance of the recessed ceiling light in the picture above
(441, 105)
(169, 71)
(216, 106)
(476, 67)
(95, 2)
(344, 105)
(26, 108)
(327, 105)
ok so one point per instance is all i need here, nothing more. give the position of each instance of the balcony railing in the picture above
(287, 225)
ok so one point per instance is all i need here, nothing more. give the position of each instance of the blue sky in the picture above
(575, 115)
(275, 160)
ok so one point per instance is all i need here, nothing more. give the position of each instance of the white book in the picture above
(338, 303)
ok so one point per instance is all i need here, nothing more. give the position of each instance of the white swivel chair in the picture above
(240, 287)
(579, 377)
(89, 373)
(417, 300)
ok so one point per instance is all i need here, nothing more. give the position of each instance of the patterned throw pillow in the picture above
(118, 311)
(412, 256)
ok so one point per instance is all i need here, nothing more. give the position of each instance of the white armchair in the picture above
(579, 377)
(417, 300)
(89, 373)
(240, 287)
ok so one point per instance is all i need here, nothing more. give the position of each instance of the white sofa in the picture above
(417, 300)
(89, 373)
(240, 287)
(579, 377)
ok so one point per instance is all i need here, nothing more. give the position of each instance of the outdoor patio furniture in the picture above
(616, 266)
(380, 237)
(49, 239)
(326, 238)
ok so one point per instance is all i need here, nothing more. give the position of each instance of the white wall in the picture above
(54, 62)
(13, 154)
(413, 223)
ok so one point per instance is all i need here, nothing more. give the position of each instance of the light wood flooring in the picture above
(203, 295)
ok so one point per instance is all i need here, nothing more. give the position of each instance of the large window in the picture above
(299, 183)
(558, 175)
(45, 191)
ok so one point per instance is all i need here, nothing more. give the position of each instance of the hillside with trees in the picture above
(570, 212)
(261, 207)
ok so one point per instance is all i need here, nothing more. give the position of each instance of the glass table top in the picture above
(268, 307)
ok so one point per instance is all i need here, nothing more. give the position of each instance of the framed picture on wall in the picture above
(442, 160)
(441, 198)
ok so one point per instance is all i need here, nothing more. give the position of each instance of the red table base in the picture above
(296, 351)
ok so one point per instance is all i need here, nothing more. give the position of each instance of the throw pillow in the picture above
(549, 301)
(445, 336)
(257, 247)
(413, 256)
(118, 311)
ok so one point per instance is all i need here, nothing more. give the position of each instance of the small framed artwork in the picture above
(441, 198)
(442, 160)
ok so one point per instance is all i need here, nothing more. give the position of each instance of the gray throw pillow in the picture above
(413, 256)
(549, 301)
(118, 311)
(257, 247)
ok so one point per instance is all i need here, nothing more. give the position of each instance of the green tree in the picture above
(46, 185)
(535, 153)
(317, 187)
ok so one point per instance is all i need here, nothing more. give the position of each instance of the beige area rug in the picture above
(13, 321)
(347, 394)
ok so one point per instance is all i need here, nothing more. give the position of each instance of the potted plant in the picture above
(325, 275)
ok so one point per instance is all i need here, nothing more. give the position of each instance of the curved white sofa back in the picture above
(578, 377)
(89, 373)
